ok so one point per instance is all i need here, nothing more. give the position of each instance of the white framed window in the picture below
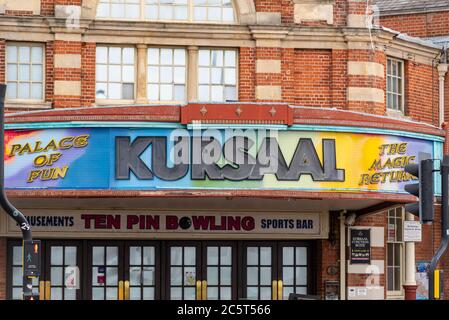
(217, 75)
(395, 84)
(25, 71)
(115, 73)
(168, 10)
(395, 250)
(119, 9)
(166, 74)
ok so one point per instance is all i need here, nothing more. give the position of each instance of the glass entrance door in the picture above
(142, 271)
(273, 270)
(105, 271)
(183, 276)
(204, 270)
(259, 272)
(294, 259)
(219, 270)
(63, 270)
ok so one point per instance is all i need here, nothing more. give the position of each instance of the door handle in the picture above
(41, 290)
(198, 290)
(204, 290)
(47, 290)
(274, 289)
(120, 290)
(126, 290)
(280, 291)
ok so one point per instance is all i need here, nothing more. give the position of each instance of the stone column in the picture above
(410, 269)
(442, 69)
(192, 74)
(141, 92)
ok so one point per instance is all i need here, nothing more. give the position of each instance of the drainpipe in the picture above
(442, 69)
(342, 255)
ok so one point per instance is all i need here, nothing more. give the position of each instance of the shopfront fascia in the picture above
(340, 167)
(127, 187)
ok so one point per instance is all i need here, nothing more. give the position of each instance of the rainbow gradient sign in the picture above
(177, 158)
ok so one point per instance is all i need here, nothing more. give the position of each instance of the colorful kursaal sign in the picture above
(141, 159)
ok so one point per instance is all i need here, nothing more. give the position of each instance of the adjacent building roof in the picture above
(387, 7)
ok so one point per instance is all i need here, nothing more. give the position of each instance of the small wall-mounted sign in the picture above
(360, 246)
(412, 231)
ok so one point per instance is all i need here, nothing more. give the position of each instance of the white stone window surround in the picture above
(197, 11)
(25, 71)
(114, 73)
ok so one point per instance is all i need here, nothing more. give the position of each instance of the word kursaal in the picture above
(197, 152)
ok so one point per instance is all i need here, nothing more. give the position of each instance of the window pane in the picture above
(252, 276)
(24, 72)
(166, 92)
(36, 73)
(179, 56)
(128, 56)
(11, 72)
(11, 53)
(212, 276)
(226, 256)
(114, 91)
(153, 92)
(225, 276)
(189, 256)
(56, 276)
(11, 90)
(128, 74)
(112, 256)
(24, 54)
(102, 54)
(36, 91)
(179, 93)
(56, 255)
(166, 56)
(204, 57)
(115, 55)
(24, 91)
(203, 93)
(128, 91)
(212, 255)
(17, 255)
(135, 255)
(70, 256)
(153, 56)
(36, 55)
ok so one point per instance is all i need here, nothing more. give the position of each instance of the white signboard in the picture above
(412, 231)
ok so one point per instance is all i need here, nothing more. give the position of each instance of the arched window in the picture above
(167, 10)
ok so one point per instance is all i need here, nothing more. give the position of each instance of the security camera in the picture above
(350, 219)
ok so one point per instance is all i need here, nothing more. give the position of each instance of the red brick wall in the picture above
(421, 92)
(313, 77)
(377, 253)
(2, 60)
(340, 12)
(329, 255)
(419, 25)
(88, 74)
(49, 71)
(247, 74)
(2, 268)
(47, 7)
(339, 80)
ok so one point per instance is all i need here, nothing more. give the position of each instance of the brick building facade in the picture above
(310, 68)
